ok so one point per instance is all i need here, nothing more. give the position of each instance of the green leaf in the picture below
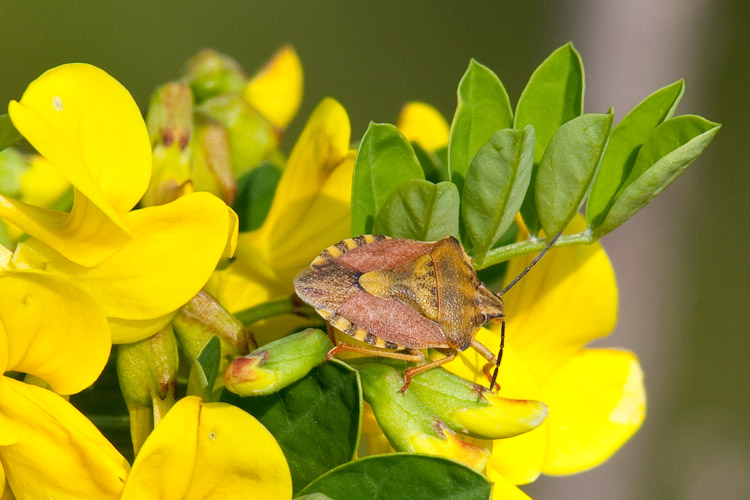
(8, 133)
(13, 165)
(670, 148)
(402, 476)
(553, 96)
(420, 210)
(204, 370)
(315, 420)
(384, 160)
(314, 496)
(496, 184)
(483, 109)
(255, 190)
(434, 169)
(623, 146)
(568, 167)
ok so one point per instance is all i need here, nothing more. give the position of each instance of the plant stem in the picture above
(276, 307)
(508, 252)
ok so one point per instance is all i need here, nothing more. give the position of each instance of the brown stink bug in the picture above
(401, 294)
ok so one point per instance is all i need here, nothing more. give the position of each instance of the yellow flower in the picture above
(208, 451)
(53, 330)
(140, 265)
(48, 449)
(310, 210)
(595, 397)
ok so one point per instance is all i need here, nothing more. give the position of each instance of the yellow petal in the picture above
(243, 285)
(519, 459)
(322, 222)
(319, 151)
(127, 331)
(276, 90)
(423, 124)
(209, 451)
(7, 494)
(309, 212)
(51, 329)
(502, 489)
(3, 483)
(567, 300)
(86, 235)
(88, 125)
(374, 441)
(174, 250)
(59, 453)
(597, 401)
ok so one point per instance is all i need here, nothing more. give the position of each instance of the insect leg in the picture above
(409, 373)
(413, 355)
(499, 353)
(491, 359)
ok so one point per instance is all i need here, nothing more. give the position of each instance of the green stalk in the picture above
(508, 252)
(276, 307)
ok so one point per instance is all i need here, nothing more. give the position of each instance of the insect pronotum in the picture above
(405, 295)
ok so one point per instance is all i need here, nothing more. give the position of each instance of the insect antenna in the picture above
(533, 263)
(510, 285)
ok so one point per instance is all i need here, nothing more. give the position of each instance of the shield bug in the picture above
(404, 295)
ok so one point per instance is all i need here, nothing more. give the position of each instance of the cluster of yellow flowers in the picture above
(105, 273)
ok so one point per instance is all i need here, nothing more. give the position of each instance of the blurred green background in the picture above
(681, 263)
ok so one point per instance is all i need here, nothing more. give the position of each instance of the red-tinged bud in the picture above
(196, 324)
(277, 364)
(170, 126)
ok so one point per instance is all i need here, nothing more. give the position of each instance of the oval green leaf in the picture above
(483, 108)
(434, 169)
(667, 152)
(496, 184)
(568, 167)
(402, 476)
(420, 210)
(553, 96)
(204, 369)
(385, 160)
(8, 133)
(255, 190)
(623, 146)
(315, 420)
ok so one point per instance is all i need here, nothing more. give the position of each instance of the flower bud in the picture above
(410, 425)
(196, 323)
(277, 364)
(210, 73)
(212, 163)
(472, 409)
(147, 374)
(251, 136)
(170, 126)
